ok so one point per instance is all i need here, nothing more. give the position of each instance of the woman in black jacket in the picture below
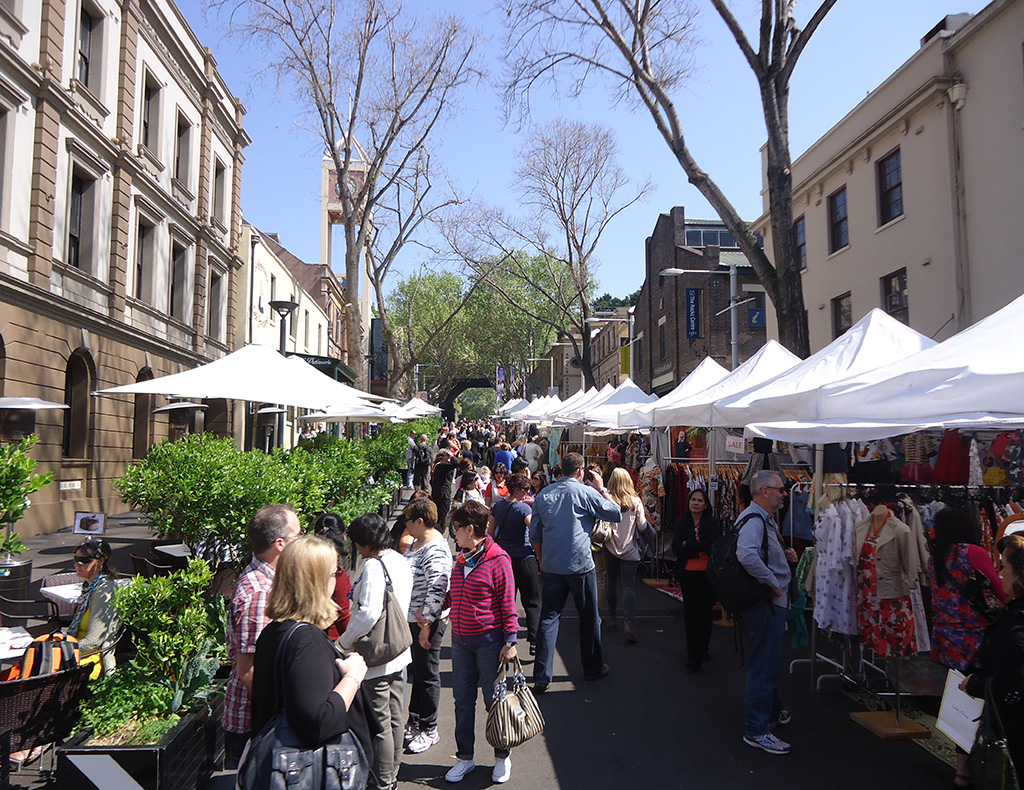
(694, 533)
(1000, 658)
(321, 692)
(442, 484)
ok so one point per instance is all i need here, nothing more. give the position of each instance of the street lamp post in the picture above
(284, 308)
(733, 308)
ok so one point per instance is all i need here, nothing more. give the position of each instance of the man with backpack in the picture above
(420, 464)
(760, 551)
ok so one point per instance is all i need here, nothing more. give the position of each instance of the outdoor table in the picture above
(13, 642)
(176, 555)
(63, 593)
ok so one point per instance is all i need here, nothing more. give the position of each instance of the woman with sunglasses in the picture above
(96, 624)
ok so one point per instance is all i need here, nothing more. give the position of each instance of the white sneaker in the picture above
(411, 731)
(458, 771)
(502, 770)
(424, 740)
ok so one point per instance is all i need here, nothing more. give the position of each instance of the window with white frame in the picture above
(182, 152)
(150, 126)
(79, 251)
(178, 282)
(842, 314)
(145, 260)
(220, 192)
(890, 188)
(305, 330)
(838, 221)
(215, 302)
(89, 56)
(894, 296)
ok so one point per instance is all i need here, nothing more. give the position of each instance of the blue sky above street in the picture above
(859, 44)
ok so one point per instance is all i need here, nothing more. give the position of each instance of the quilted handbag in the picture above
(991, 766)
(514, 716)
(277, 759)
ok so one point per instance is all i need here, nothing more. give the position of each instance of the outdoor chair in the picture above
(158, 570)
(65, 609)
(140, 565)
(15, 613)
(41, 710)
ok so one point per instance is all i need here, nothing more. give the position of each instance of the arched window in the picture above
(142, 435)
(77, 386)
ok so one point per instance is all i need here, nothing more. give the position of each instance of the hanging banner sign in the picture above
(692, 313)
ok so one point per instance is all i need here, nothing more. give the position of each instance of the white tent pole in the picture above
(712, 480)
(819, 477)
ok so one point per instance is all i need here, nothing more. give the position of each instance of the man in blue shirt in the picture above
(564, 514)
(765, 621)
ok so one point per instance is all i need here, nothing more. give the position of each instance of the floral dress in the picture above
(957, 628)
(887, 625)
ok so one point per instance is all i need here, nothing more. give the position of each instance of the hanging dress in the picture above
(887, 625)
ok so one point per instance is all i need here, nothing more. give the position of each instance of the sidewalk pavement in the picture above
(649, 724)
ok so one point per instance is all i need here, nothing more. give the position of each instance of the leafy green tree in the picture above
(476, 404)
(17, 483)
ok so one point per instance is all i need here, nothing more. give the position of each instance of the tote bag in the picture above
(514, 716)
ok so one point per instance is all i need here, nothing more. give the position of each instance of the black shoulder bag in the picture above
(736, 589)
(277, 759)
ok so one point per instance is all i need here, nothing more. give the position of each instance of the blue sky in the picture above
(858, 45)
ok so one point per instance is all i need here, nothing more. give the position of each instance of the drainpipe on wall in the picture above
(957, 95)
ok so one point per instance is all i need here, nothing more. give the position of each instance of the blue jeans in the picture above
(765, 624)
(473, 667)
(555, 590)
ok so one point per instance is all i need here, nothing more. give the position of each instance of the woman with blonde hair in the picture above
(320, 691)
(621, 555)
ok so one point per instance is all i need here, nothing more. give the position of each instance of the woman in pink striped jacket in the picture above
(485, 625)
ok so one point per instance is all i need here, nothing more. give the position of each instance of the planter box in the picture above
(184, 759)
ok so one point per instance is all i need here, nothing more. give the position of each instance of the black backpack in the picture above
(735, 588)
(421, 454)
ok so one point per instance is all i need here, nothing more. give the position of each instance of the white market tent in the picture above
(505, 408)
(770, 361)
(536, 411)
(626, 396)
(254, 373)
(706, 374)
(877, 339)
(574, 414)
(512, 413)
(577, 397)
(970, 380)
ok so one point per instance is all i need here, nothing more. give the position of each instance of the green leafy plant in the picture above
(178, 632)
(17, 483)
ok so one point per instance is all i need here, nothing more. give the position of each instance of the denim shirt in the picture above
(775, 572)
(564, 514)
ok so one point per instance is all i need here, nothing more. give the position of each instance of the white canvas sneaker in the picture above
(458, 771)
(502, 770)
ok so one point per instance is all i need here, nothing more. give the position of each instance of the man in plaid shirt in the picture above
(271, 529)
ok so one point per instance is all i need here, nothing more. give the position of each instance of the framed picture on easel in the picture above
(90, 523)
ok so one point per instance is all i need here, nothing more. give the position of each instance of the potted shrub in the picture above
(157, 716)
(18, 482)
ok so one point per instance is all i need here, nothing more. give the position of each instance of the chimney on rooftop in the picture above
(947, 26)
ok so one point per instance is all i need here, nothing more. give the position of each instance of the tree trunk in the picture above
(353, 315)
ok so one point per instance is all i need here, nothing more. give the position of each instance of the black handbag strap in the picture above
(279, 668)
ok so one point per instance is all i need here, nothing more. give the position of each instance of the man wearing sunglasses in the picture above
(765, 621)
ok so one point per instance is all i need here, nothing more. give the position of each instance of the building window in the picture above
(694, 238)
(838, 224)
(293, 327)
(319, 340)
(89, 40)
(305, 330)
(220, 193)
(150, 114)
(890, 188)
(181, 151)
(179, 282)
(273, 298)
(800, 243)
(842, 314)
(76, 396)
(662, 345)
(145, 261)
(215, 307)
(142, 426)
(894, 296)
(81, 220)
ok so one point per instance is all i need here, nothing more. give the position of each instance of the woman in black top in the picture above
(509, 525)
(1000, 658)
(321, 692)
(691, 543)
(442, 484)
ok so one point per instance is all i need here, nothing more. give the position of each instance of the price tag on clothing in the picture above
(713, 483)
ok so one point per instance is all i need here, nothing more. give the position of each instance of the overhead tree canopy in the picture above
(644, 49)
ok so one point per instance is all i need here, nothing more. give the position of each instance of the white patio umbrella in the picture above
(254, 373)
